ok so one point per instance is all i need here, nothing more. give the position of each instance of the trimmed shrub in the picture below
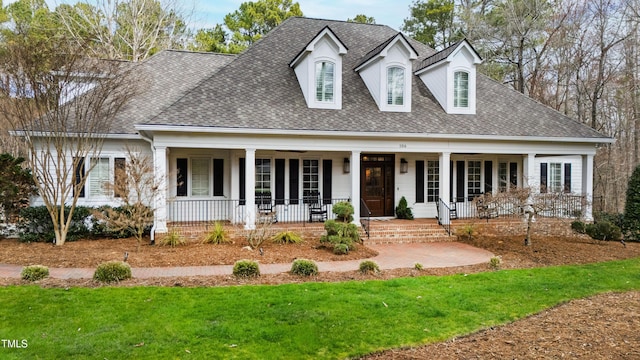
(217, 236)
(246, 269)
(34, 272)
(369, 267)
(344, 211)
(287, 237)
(579, 227)
(304, 267)
(172, 239)
(36, 224)
(603, 230)
(112, 271)
(403, 211)
(341, 249)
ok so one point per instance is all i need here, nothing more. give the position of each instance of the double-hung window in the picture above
(263, 175)
(555, 177)
(474, 182)
(310, 176)
(461, 89)
(99, 177)
(325, 79)
(395, 86)
(200, 173)
(433, 180)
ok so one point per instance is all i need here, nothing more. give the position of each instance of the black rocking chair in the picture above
(266, 213)
(317, 211)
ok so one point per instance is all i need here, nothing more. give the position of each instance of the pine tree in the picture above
(632, 207)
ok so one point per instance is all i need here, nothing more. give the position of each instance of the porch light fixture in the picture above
(404, 166)
(346, 166)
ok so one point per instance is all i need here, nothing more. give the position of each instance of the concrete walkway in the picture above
(390, 256)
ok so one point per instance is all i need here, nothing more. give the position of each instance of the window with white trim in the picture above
(310, 176)
(200, 177)
(395, 86)
(263, 175)
(474, 178)
(461, 89)
(325, 80)
(433, 180)
(99, 177)
(555, 177)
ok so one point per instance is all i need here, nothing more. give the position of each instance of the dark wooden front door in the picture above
(377, 183)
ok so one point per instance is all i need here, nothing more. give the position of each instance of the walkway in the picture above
(390, 256)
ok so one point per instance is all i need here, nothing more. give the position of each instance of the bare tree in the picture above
(127, 29)
(136, 187)
(62, 104)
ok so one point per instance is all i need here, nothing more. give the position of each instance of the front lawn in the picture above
(309, 320)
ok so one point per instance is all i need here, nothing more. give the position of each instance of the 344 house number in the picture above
(403, 146)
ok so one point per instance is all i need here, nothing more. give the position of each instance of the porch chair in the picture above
(453, 212)
(265, 212)
(317, 211)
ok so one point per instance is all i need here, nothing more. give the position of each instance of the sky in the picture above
(208, 13)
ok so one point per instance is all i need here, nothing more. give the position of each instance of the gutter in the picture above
(153, 228)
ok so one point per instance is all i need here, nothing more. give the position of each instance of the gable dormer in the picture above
(318, 68)
(386, 71)
(450, 75)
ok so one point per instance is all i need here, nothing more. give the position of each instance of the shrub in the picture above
(418, 267)
(468, 230)
(495, 262)
(340, 249)
(603, 230)
(369, 267)
(36, 224)
(287, 237)
(217, 236)
(34, 272)
(579, 227)
(172, 239)
(111, 271)
(304, 267)
(246, 269)
(344, 211)
(403, 211)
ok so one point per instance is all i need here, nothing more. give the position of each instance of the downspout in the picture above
(150, 141)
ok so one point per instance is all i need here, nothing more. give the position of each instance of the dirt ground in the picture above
(602, 327)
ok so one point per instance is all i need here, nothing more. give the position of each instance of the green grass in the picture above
(294, 321)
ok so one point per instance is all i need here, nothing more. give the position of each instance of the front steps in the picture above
(397, 231)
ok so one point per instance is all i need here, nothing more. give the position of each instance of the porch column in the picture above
(250, 189)
(160, 173)
(528, 173)
(587, 186)
(445, 190)
(355, 186)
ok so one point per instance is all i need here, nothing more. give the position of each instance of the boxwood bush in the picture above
(369, 267)
(34, 272)
(304, 267)
(112, 271)
(246, 269)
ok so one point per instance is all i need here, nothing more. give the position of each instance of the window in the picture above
(310, 176)
(395, 86)
(324, 81)
(433, 180)
(99, 176)
(555, 177)
(507, 175)
(461, 89)
(502, 177)
(263, 175)
(474, 182)
(200, 177)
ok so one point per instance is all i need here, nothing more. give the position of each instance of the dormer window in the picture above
(395, 86)
(318, 68)
(325, 78)
(461, 89)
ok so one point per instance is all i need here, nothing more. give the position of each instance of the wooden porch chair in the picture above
(265, 210)
(317, 211)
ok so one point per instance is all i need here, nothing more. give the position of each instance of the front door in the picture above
(377, 184)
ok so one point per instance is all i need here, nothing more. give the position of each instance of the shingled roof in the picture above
(165, 78)
(258, 90)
